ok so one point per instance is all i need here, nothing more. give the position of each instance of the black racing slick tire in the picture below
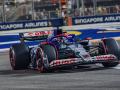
(112, 47)
(19, 56)
(50, 51)
(45, 54)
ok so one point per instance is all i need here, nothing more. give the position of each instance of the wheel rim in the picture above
(39, 60)
(39, 65)
(12, 58)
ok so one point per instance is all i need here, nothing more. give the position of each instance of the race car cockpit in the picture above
(61, 39)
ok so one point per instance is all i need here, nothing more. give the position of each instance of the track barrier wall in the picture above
(95, 26)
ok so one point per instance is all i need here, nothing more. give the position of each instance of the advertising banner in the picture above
(30, 24)
(96, 19)
(80, 28)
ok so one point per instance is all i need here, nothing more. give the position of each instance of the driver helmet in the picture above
(60, 32)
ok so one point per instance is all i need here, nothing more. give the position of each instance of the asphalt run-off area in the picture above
(88, 77)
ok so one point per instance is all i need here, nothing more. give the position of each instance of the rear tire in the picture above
(19, 56)
(112, 47)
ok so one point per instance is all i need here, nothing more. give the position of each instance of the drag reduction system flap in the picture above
(39, 35)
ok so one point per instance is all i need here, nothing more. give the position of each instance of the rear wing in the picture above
(39, 35)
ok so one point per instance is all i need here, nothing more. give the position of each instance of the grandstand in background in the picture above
(25, 10)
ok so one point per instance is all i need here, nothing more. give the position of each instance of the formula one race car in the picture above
(57, 49)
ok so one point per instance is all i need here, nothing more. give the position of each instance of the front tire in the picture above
(50, 51)
(45, 54)
(110, 64)
(40, 56)
(111, 47)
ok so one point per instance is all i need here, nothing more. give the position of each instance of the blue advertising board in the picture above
(30, 24)
(7, 40)
(58, 22)
(96, 19)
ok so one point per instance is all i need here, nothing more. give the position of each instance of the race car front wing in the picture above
(80, 61)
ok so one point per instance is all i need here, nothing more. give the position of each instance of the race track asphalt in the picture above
(89, 77)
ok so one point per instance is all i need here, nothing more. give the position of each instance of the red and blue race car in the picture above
(58, 49)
